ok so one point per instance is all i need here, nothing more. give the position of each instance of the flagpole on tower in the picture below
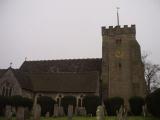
(117, 16)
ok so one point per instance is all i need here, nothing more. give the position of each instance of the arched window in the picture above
(10, 91)
(6, 92)
(6, 88)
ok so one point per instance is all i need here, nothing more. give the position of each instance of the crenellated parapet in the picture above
(117, 30)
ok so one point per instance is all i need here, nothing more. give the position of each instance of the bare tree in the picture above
(151, 73)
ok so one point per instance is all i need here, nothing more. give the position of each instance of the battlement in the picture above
(118, 30)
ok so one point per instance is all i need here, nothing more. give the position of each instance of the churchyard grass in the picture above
(92, 118)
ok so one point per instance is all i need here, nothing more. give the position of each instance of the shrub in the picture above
(14, 101)
(3, 102)
(113, 104)
(47, 104)
(21, 101)
(153, 103)
(91, 103)
(136, 104)
(66, 101)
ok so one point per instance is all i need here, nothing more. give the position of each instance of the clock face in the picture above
(118, 53)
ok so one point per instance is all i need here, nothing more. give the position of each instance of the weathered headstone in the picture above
(37, 112)
(61, 111)
(76, 111)
(144, 110)
(8, 113)
(120, 113)
(125, 113)
(20, 113)
(70, 112)
(47, 115)
(81, 111)
(56, 110)
(100, 113)
(26, 113)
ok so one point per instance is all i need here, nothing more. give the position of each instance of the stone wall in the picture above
(11, 85)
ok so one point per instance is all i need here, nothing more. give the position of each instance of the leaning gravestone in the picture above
(20, 113)
(100, 113)
(56, 109)
(8, 113)
(70, 112)
(37, 112)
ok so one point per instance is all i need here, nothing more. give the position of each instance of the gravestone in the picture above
(8, 112)
(47, 115)
(37, 112)
(122, 113)
(56, 110)
(76, 111)
(26, 113)
(100, 113)
(61, 111)
(20, 113)
(144, 110)
(70, 112)
(80, 111)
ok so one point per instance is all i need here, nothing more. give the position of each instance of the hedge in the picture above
(66, 101)
(14, 101)
(21, 101)
(90, 103)
(113, 104)
(153, 103)
(136, 103)
(3, 102)
(47, 104)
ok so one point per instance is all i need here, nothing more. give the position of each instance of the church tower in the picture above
(122, 67)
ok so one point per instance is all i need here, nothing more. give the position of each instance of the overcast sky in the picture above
(63, 29)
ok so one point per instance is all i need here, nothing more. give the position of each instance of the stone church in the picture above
(120, 72)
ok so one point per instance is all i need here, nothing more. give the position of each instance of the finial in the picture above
(25, 58)
(10, 64)
(117, 16)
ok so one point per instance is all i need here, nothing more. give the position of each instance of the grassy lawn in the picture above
(94, 118)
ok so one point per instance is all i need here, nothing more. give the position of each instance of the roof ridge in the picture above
(63, 59)
(63, 72)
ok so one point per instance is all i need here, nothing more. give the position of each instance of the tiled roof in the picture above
(65, 82)
(68, 65)
(23, 79)
(72, 75)
(2, 71)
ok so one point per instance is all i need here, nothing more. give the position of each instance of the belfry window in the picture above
(118, 41)
(119, 65)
